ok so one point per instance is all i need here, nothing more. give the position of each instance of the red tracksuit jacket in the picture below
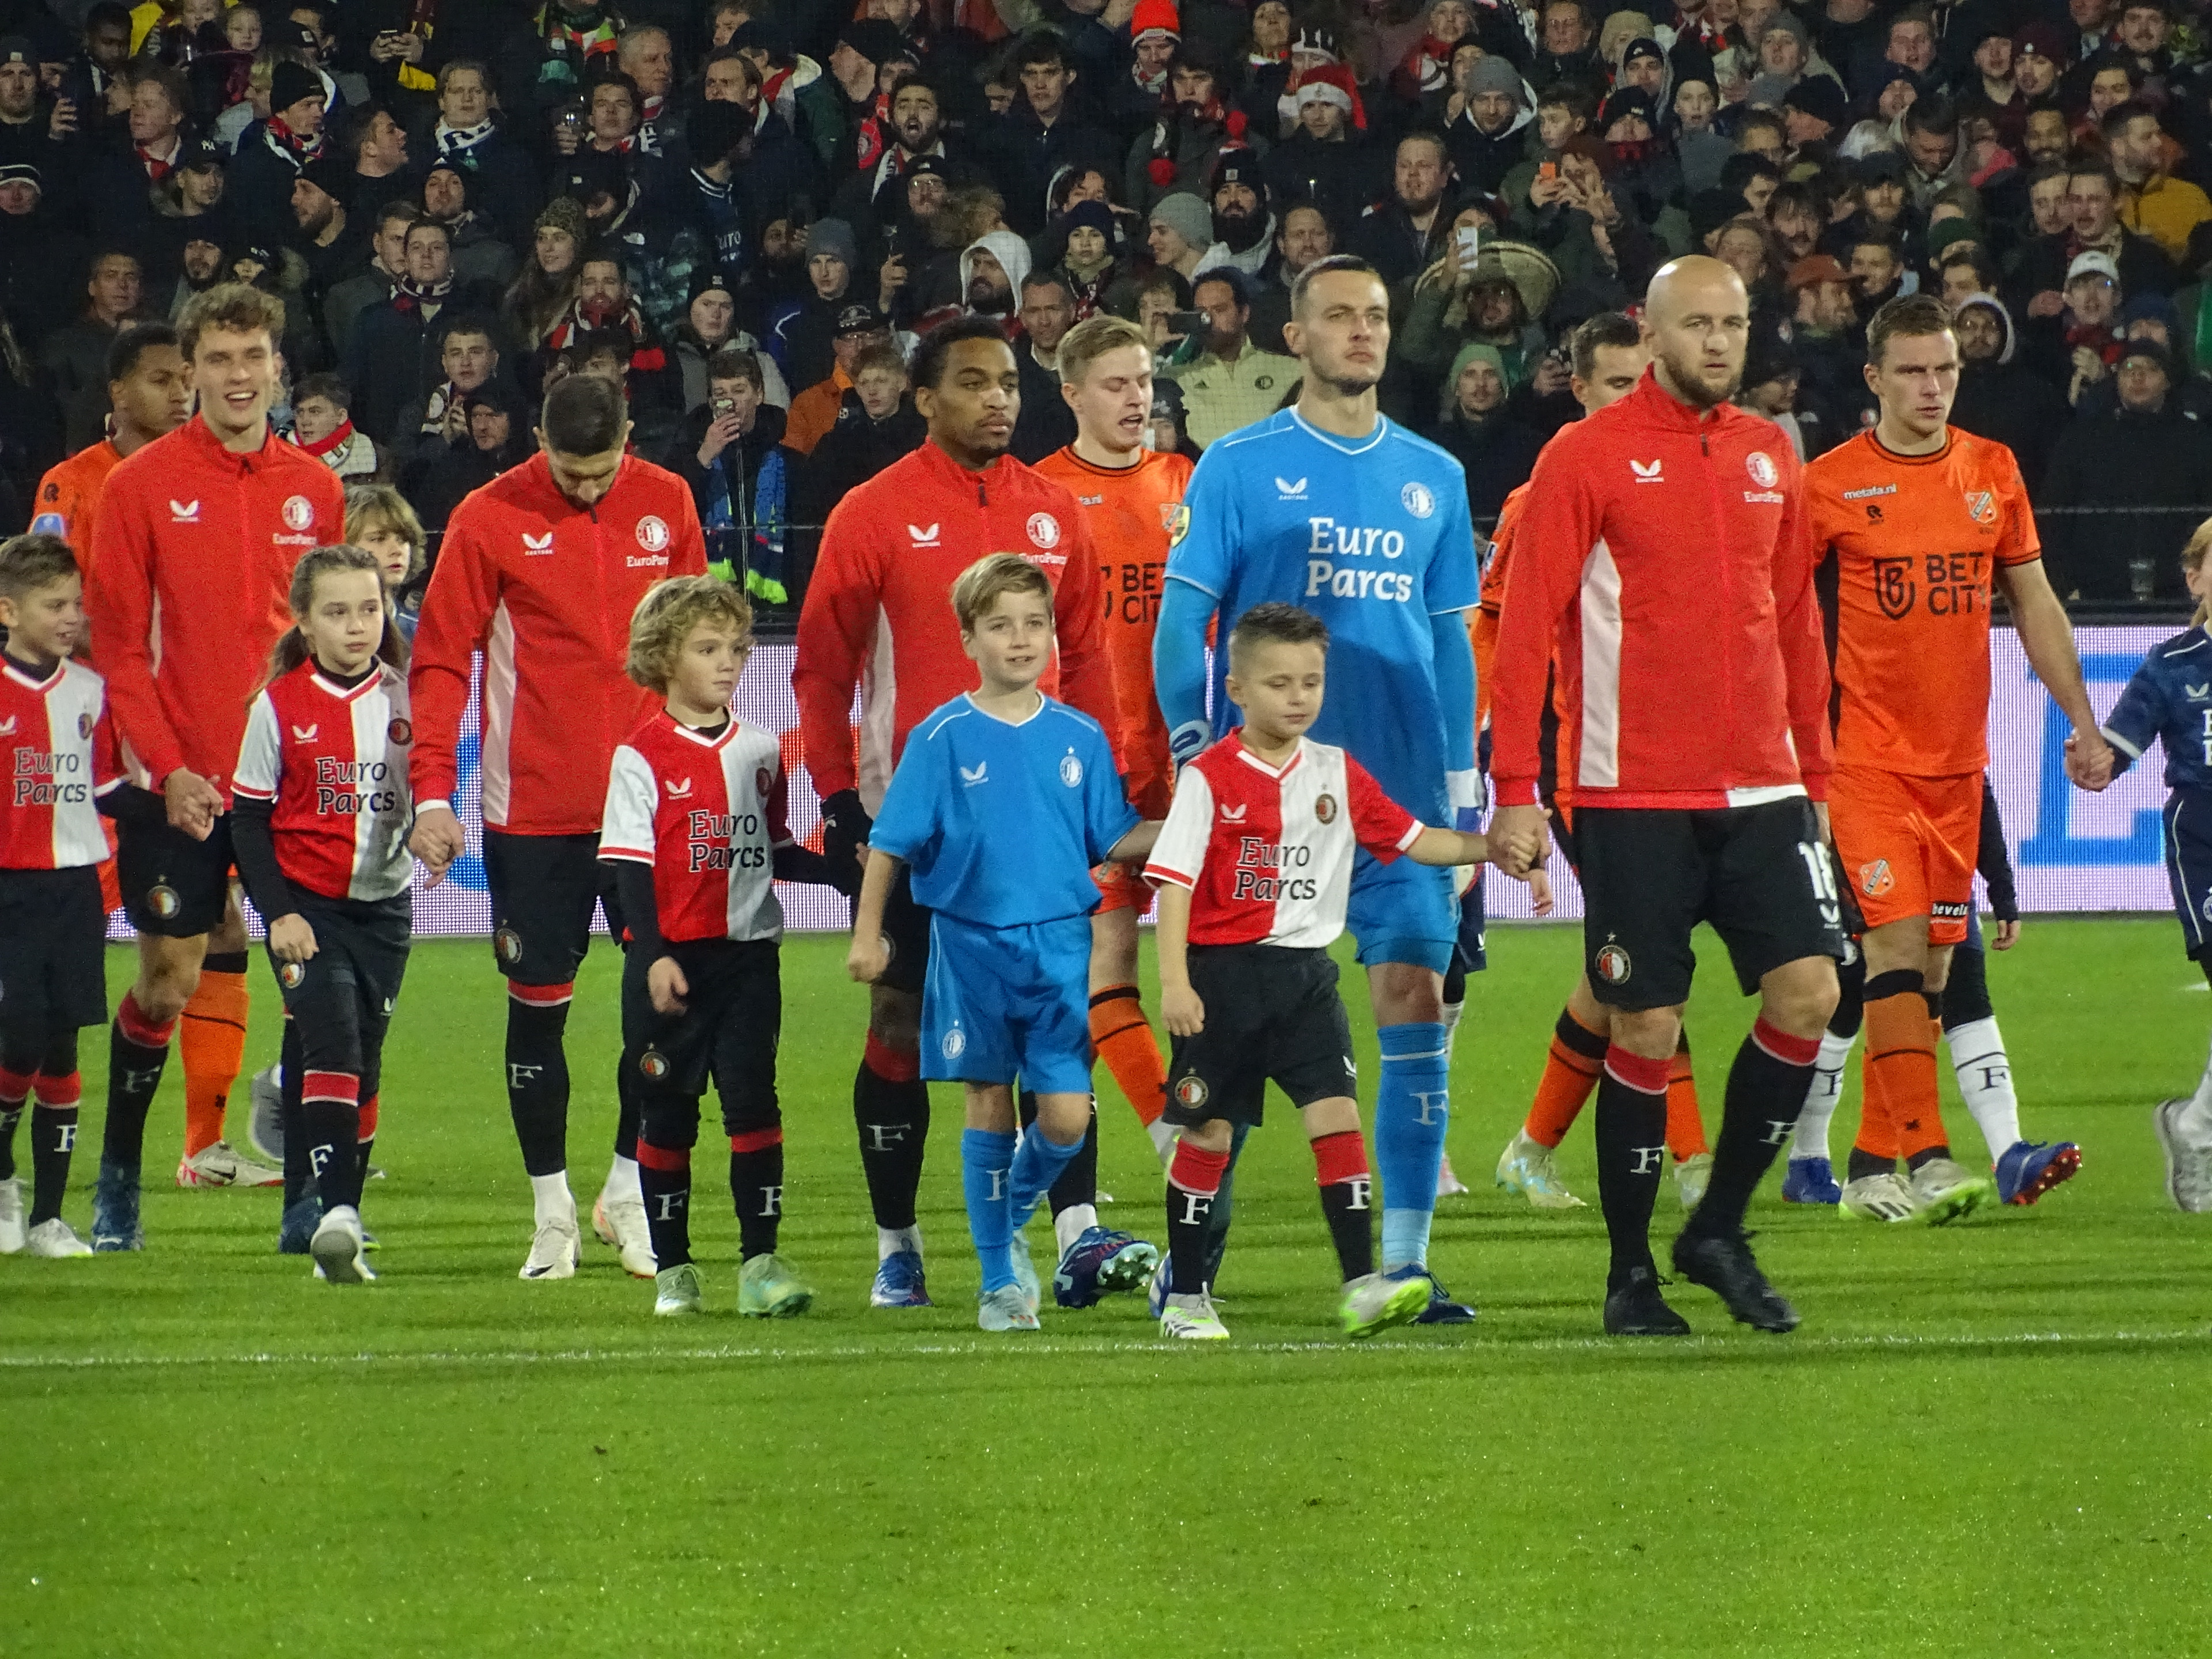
(879, 612)
(1669, 558)
(190, 574)
(544, 589)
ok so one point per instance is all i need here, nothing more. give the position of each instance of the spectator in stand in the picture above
(497, 438)
(1330, 162)
(646, 57)
(1999, 398)
(1227, 382)
(1486, 137)
(710, 324)
(1406, 235)
(1878, 273)
(876, 425)
(393, 359)
(1478, 428)
(322, 426)
(373, 147)
(605, 305)
(729, 454)
(1567, 48)
(468, 131)
(814, 410)
(2092, 197)
(2144, 454)
(345, 301)
(2152, 202)
(800, 338)
(1304, 238)
(1045, 131)
(545, 291)
(116, 186)
(1044, 423)
(481, 258)
(1179, 234)
(75, 358)
(261, 178)
(992, 271)
(468, 361)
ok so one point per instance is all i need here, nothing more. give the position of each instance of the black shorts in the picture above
(543, 889)
(728, 1031)
(1272, 1014)
(53, 932)
(340, 1000)
(1563, 835)
(906, 930)
(172, 886)
(1758, 874)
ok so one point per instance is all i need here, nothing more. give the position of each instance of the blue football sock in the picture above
(1037, 1163)
(987, 1159)
(1412, 1107)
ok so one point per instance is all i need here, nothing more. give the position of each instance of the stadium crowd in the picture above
(746, 213)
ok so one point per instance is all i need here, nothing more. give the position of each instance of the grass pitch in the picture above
(1994, 1436)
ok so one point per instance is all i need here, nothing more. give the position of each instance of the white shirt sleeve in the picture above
(633, 793)
(260, 756)
(1180, 853)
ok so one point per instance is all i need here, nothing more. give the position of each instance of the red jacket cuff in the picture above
(1514, 791)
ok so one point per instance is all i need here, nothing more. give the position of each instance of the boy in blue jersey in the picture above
(2169, 701)
(1002, 803)
(1329, 506)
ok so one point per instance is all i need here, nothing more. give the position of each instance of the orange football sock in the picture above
(1123, 1037)
(211, 1036)
(1685, 1128)
(1900, 1113)
(1571, 1071)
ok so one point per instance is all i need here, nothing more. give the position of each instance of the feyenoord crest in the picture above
(299, 512)
(84, 725)
(400, 731)
(1761, 466)
(653, 1064)
(955, 1044)
(506, 945)
(1190, 1093)
(1613, 964)
(1071, 771)
(761, 782)
(652, 534)
(1325, 809)
(1981, 507)
(1875, 878)
(1044, 531)
(291, 974)
(1418, 498)
(163, 901)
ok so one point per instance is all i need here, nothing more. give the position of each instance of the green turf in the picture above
(1993, 1437)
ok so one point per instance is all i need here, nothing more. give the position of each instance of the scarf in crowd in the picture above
(1167, 130)
(156, 169)
(1430, 63)
(572, 41)
(576, 322)
(454, 141)
(342, 434)
(2099, 339)
(290, 144)
(422, 20)
(868, 132)
(409, 295)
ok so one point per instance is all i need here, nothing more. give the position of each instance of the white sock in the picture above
(1822, 1095)
(622, 1179)
(1452, 1011)
(550, 1197)
(1984, 1073)
(1070, 1224)
(2195, 1120)
(1163, 1139)
(889, 1241)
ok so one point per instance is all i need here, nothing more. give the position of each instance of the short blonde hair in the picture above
(992, 577)
(380, 506)
(666, 615)
(1091, 339)
(2192, 561)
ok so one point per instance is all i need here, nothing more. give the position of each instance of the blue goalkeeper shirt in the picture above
(1373, 536)
(2170, 700)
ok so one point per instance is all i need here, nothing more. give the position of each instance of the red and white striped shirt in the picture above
(61, 755)
(707, 814)
(332, 761)
(1268, 854)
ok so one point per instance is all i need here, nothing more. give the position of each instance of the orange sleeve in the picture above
(2017, 541)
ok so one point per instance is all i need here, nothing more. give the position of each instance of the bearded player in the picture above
(1922, 519)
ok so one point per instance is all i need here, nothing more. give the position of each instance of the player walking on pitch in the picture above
(196, 538)
(1921, 520)
(1330, 505)
(1664, 568)
(541, 570)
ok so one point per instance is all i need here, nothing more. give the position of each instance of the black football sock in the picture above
(627, 1110)
(891, 1108)
(1925, 1155)
(333, 1141)
(538, 1077)
(1765, 1091)
(53, 1137)
(757, 1189)
(664, 1178)
(1194, 1178)
(1631, 1155)
(291, 1064)
(137, 1053)
(11, 1114)
(1217, 1227)
(1861, 1164)
(1078, 1181)
(1347, 1201)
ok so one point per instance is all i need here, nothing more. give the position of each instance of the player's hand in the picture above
(665, 984)
(1521, 838)
(437, 841)
(2089, 764)
(1183, 1010)
(2006, 935)
(869, 958)
(193, 803)
(846, 827)
(291, 939)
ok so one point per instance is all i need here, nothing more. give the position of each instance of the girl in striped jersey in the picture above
(322, 814)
